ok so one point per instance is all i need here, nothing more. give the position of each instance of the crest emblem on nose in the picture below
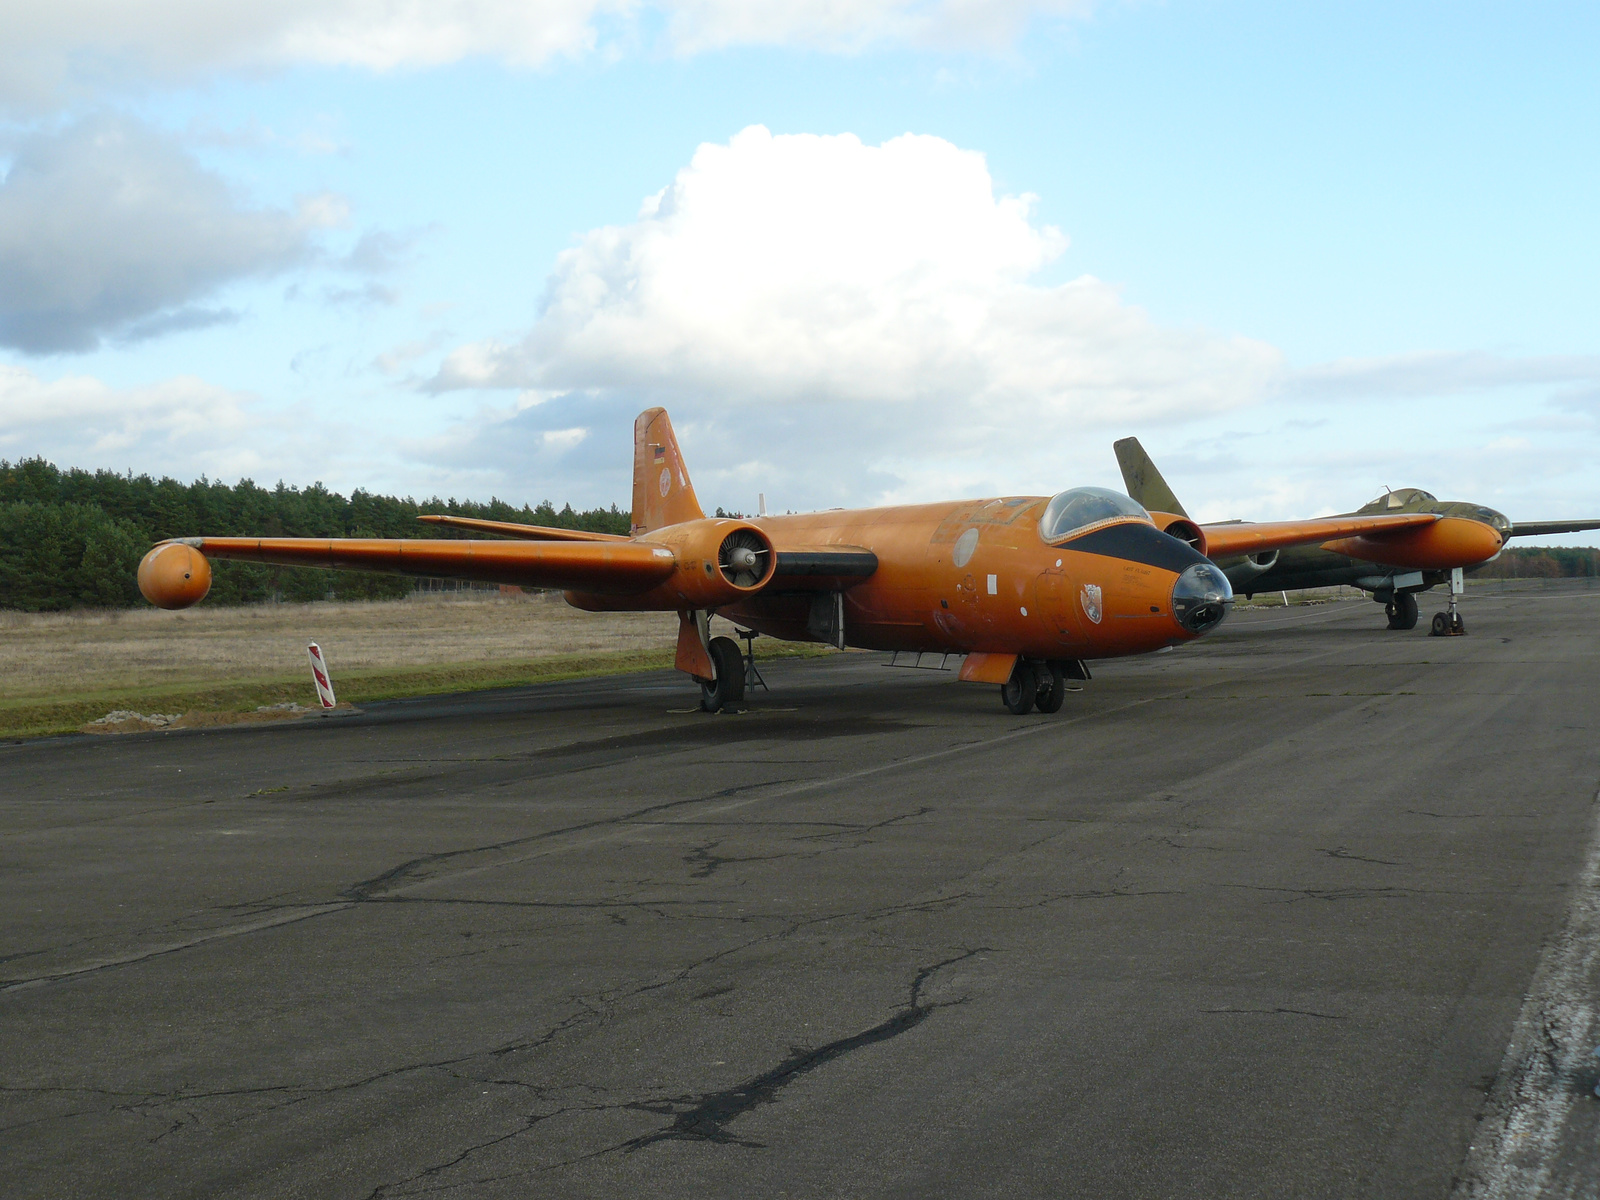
(1090, 599)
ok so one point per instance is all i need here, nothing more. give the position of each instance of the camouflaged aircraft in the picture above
(1391, 569)
(1022, 590)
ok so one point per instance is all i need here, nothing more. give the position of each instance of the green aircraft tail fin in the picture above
(1143, 481)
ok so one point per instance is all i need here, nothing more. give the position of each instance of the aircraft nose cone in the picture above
(1478, 541)
(1201, 597)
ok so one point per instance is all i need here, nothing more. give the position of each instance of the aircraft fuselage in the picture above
(977, 576)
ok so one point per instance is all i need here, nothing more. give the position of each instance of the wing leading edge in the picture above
(1242, 537)
(623, 567)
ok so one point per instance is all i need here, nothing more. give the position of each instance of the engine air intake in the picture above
(745, 558)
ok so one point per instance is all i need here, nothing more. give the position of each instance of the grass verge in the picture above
(27, 717)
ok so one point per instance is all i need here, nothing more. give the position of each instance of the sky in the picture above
(887, 251)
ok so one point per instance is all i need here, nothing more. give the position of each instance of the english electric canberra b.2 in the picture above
(1393, 571)
(1028, 588)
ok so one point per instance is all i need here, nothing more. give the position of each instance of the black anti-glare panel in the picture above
(1137, 542)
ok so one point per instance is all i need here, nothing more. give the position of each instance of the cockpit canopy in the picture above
(1078, 508)
(1399, 498)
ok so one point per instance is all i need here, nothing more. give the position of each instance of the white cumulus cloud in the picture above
(876, 303)
(109, 228)
(184, 425)
(53, 51)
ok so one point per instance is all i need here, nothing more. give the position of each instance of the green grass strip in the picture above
(31, 717)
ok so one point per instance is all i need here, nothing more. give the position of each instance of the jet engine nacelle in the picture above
(1182, 528)
(1242, 571)
(174, 575)
(1448, 542)
(719, 561)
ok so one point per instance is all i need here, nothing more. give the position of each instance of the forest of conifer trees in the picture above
(72, 538)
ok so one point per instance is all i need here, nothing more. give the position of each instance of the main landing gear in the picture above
(1042, 686)
(728, 685)
(1402, 610)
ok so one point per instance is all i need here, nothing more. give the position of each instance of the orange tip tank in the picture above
(174, 575)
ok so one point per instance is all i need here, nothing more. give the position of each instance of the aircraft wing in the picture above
(1245, 537)
(1544, 528)
(538, 533)
(584, 566)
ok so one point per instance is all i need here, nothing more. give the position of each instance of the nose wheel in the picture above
(1449, 622)
(1041, 686)
(1020, 691)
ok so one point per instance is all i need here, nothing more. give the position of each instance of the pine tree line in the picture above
(74, 538)
(1543, 562)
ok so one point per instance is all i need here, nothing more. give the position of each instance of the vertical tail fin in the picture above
(662, 493)
(1143, 481)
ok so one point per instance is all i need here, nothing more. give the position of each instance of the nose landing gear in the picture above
(1041, 686)
(1449, 622)
(1020, 691)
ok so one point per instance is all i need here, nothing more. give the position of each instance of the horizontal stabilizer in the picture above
(537, 533)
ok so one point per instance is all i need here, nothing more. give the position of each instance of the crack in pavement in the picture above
(706, 863)
(151, 1104)
(856, 830)
(1092, 894)
(364, 890)
(707, 1116)
(1341, 852)
(1272, 1012)
(290, 917)
(1331, 894)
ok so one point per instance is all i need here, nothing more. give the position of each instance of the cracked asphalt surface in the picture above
(1252, 918)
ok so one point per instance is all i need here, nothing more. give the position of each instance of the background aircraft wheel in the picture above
(728, 687)
(1052, 689)
(1441, 625)
(1402, 611)
(1458, 624)
(1019, 691)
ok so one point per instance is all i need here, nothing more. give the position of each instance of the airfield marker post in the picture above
(320, 677)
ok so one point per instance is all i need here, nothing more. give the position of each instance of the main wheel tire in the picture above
(728, 687)
(1402, 611)
(1019, 691)
(1459, 622)
(1052, 689)
(1440, 626)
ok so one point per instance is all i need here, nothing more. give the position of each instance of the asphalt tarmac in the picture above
(1288, 913)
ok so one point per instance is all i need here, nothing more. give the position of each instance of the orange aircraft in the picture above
(1027, 588)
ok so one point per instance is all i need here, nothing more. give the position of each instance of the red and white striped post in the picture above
(319, 675)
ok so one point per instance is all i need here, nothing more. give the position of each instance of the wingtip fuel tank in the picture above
(174, 575)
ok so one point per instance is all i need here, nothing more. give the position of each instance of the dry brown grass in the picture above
(60, 670)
